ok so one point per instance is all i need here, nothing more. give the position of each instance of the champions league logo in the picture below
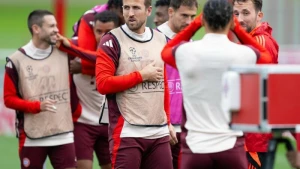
(134, 57)
(29, 70)
(31, 76)
(133, 51)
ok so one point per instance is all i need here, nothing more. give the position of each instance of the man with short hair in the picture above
(161, 13)
(89, 135)
(181, 14)
(83, 29)
(37, 86)
(138, 109)
(207, 140)
(249, 14)
(132, 76)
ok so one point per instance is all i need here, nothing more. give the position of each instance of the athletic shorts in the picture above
(61, 157)
(89, 138)
(136, 153)
(234, 158)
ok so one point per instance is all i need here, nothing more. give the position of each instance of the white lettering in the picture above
(178, 86)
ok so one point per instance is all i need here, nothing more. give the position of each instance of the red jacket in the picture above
(263, 35)
(256, 142)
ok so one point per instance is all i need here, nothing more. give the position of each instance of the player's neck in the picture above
(256, 26)
(40, 44)
(224, 31)
(141, 30)
(172, 27)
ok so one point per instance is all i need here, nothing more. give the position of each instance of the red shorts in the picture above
(234, 158)
(89, 138)
(136, 153)
(61, 157)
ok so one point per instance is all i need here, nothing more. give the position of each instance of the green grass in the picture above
(13, 15)
(9, 158)
(9, 155)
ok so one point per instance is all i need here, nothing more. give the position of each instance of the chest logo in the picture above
(134, 57)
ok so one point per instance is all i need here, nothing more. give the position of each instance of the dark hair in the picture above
(36, 18)
(257, 3)
(115, 4)
(217, 14)
(162, 3)
(107, 16)
(148, 3)
(175, 4)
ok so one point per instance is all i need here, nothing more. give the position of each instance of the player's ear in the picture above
(260, 16)
(171, 12)
(35, 29)
(149, 10)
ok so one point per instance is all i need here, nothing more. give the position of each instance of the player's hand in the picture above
(64, 40)
(199, 19)
(152, 73)
(173, 138)
(48, 105)
(234, 23)
(75, 67)
(294, 158)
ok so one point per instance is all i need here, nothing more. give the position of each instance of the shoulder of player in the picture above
(89, 12)
(196, 44)
(156, 32)
(74, 40)
(247, 50)
(185, 47)
(88, 16)
(266, 41)
(109, 41)
(261, 39)
(10, 66)
(16, 54)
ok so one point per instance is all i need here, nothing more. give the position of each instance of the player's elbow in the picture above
(102, 89)
(164, 54)
(265, 58)
(168, 57)
(8, 102)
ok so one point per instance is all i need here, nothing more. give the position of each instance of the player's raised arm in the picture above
(246, 39)
(67, 46)
(185, 35)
